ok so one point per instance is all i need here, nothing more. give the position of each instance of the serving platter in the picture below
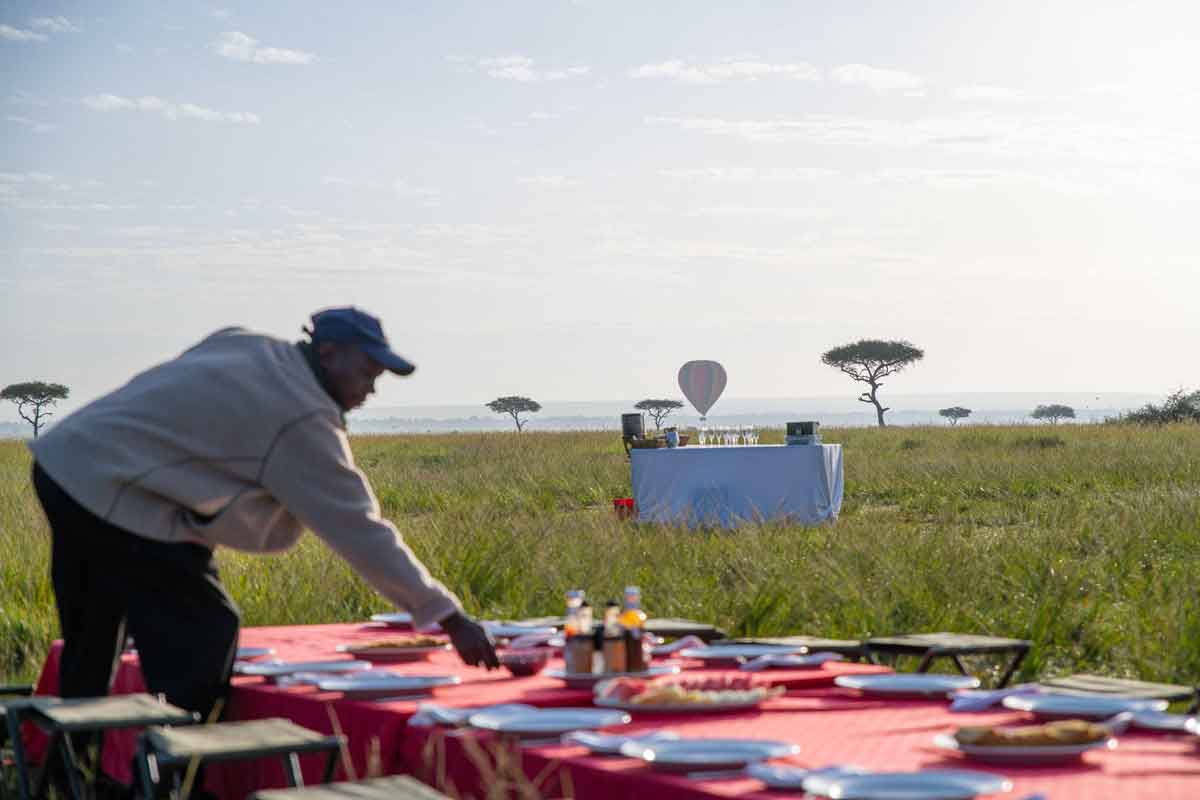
(587, 680)
(1023, 754)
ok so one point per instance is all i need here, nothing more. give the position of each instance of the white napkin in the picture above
(677, 645)
(980, 700)
(786, 660)
(430, 714)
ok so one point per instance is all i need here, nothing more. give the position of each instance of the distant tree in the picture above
(1053, 412)
(1180, 406)
(955, 413)
(515, 406)
(868, 360)
(658, 409)
(33, 399)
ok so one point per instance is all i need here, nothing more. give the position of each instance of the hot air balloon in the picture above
(702, 383)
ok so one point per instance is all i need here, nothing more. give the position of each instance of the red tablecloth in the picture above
(361, 721)
(836, 728)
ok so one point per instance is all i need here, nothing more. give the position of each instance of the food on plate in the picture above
(1062, 732)
(400, 641)
(708, 691)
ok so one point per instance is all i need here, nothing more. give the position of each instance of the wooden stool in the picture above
(932, 646)
(395, 787)
(167, 751)
(60, 718)
(1083, 683)
(850, 648)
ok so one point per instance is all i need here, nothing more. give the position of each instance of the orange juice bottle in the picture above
(632, 617)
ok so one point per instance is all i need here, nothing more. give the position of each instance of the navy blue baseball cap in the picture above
(354, 326)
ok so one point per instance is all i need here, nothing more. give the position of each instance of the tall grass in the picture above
(1085, 539)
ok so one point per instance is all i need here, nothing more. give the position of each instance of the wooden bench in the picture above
(1084, 683)
(64, 720)
(395, 787)
(164, 754)
(929, 647)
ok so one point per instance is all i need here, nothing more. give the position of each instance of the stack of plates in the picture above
(685, 755)
(378, 684)
(541, 722)
(943, 784)
(734, 655)
(1080, 706)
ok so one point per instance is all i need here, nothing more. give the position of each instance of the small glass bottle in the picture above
(615, 650)
(580, 647)
(633, 621)
(574, 601)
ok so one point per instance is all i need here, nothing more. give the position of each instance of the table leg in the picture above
(70, 763)
(13, 723)
(1012, 668)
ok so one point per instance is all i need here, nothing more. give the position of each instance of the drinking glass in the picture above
(702, 435)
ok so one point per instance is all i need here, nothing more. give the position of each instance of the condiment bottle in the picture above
(574, 601)
(633, 620)
(615, 649)
(579, 652)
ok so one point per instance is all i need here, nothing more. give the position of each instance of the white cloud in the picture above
(171, 111)
(522, 69)
(54, 24)
(237, 46)
(979, 92)
(724, 71)
(33, 124)
(11, 34)
(880, 80)
(1057, 137)
(548, 181)
(749, 174)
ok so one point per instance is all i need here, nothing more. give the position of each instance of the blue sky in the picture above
(568, 200)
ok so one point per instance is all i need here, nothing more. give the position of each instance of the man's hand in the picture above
(472, 642)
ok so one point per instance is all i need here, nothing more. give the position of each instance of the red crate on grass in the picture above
(624, 507)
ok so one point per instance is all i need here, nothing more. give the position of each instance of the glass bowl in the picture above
(523, 663)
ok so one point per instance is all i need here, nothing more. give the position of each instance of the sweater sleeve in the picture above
(311, 472)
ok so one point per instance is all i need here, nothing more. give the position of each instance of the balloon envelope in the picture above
(702, 383)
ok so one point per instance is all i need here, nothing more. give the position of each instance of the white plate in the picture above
(735, 654)
(501, 630)
(704, 754)
(934, 784)
(781, 776)
(586, 680)
(609, 744)
(546, 721)
(1033, 754)
(392, 654)
(275, 669)
(395, 619)
(248, 653)
(1162, 721)
(385, 684)
(456, 717)
(1080, 705)
(910, 684)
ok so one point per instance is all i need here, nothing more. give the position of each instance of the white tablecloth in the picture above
(732, 485)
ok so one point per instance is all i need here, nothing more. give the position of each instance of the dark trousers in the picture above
(168, 595)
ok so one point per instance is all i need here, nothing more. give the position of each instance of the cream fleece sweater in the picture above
(235, 443)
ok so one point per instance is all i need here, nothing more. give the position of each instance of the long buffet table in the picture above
(831, 726)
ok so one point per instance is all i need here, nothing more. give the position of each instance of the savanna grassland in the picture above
(1085, 539)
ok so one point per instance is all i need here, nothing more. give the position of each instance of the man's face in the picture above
(351, 373)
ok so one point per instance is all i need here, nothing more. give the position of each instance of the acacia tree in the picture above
(33, 399)
(515, 406)
(955, 413)
(1053, 412)
(658, 409)
(869, 360)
